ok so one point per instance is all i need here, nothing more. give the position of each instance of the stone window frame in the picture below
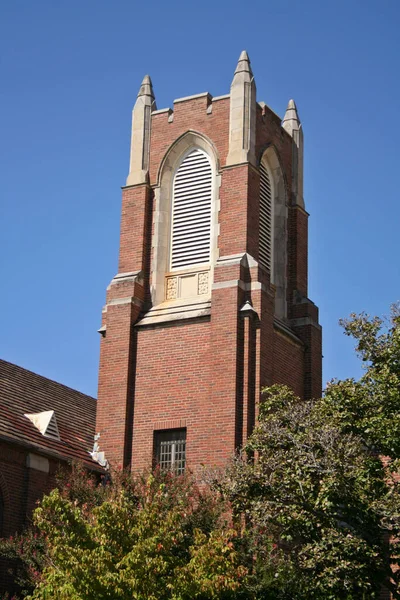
(171, 437)
(270, 160)
(162, 219)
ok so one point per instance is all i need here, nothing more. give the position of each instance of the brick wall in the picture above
(172, 374)
(21, 488)
(288, 361)
(205, 374)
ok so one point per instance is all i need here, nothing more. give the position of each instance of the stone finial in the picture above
(291, 119)
(243, 65)
(247, 310)
(140, 140)
(146, 89)
(242, 123)
(291, 123)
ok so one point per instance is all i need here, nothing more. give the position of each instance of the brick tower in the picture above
(210, 301)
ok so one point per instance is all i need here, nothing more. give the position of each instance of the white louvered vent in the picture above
(46, 423)
(265, 218)
(191, 212)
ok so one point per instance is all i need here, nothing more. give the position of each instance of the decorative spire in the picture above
(291, 119)
(243, 65)
(146, 89)
(291, 123)
(242, 121)
(140, 140)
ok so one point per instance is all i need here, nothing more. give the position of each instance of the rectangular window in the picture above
(170, 450)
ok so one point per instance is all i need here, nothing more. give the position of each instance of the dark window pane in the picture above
(170, 450)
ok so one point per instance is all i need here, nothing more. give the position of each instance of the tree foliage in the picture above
(154, 537)
(22, 559)
(309, 510)
(370, 407)
(319, 489)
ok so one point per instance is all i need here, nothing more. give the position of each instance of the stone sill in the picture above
(176, 310)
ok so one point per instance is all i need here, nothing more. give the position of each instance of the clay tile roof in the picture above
(22, 392)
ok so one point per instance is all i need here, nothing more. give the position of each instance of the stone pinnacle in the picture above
(146, 89)
(291, 119)
(244, 64)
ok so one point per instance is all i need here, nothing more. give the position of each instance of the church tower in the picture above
(210, 302)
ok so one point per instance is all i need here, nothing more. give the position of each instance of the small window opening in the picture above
(170, 450)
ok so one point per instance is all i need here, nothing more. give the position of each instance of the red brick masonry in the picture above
(205, 373)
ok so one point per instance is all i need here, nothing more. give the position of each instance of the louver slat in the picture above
(52, 429)
(191, 223)
(265, 218)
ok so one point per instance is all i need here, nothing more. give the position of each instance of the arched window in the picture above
(266, 221)
(273, 226)
(191, 212)
(185, 241)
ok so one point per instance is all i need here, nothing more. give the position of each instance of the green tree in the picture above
(23, 559)
(149, 538)
(314, 496)
(322, 490)
(370, 407)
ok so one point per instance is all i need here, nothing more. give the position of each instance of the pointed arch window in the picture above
(191, 212)
(186, 223)
(266, 220)
(272, 253)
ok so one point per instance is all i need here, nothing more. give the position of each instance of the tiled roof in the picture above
(22, 392)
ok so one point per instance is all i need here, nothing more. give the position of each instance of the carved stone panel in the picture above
(172, 288)
(203, 283)
(187, 285)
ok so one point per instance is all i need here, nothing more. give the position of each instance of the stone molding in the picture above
(175, 311)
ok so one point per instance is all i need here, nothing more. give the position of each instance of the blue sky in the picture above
(70, 72)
